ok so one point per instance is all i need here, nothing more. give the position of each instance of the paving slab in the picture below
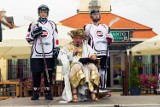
(113, 101)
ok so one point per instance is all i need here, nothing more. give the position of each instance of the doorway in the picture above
(117, 65)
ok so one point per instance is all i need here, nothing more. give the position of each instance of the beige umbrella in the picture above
(148, 47)
(14, 49)
(14, 44)
(64, 38)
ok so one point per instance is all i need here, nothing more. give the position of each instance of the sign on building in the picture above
(120, 35)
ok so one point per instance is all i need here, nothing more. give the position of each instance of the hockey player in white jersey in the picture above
(44, 39)
(99, 38)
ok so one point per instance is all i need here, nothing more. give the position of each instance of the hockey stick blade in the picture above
(113, 21)
(30, 19)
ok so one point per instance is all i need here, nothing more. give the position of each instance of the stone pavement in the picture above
(114, 101)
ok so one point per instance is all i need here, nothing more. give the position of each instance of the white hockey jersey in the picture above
(97, 37)
(49, 40)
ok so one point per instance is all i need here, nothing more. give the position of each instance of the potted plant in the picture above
(134, 80)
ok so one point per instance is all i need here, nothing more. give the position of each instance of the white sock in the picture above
(102, 75)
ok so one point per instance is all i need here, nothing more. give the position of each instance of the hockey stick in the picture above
(107, 51)
(44, 59)
(45, 63)
(31, 19)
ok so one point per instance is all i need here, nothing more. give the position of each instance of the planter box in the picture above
(135, 91)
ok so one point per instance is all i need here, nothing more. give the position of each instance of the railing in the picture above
(57, 85)
(8, 89)
(57, 88)
(149, 69)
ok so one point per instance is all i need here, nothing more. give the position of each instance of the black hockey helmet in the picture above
(43, 7)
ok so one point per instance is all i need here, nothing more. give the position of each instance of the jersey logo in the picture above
(44, 34)
(99, 33)
(46, 43)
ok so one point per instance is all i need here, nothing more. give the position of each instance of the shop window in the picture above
(19, 68)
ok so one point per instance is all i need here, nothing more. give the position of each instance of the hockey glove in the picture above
(56, 52)
(109, 39)
(36, 32)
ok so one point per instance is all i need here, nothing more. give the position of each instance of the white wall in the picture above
(3, 67)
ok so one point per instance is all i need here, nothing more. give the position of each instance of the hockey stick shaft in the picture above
(45, 63)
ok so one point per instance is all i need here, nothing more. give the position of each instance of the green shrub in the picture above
(134, 79)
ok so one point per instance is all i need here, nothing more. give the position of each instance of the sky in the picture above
(145, 12)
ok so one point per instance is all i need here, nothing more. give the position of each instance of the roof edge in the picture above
(129, 20)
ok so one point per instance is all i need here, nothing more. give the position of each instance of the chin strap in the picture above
(43, 20)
